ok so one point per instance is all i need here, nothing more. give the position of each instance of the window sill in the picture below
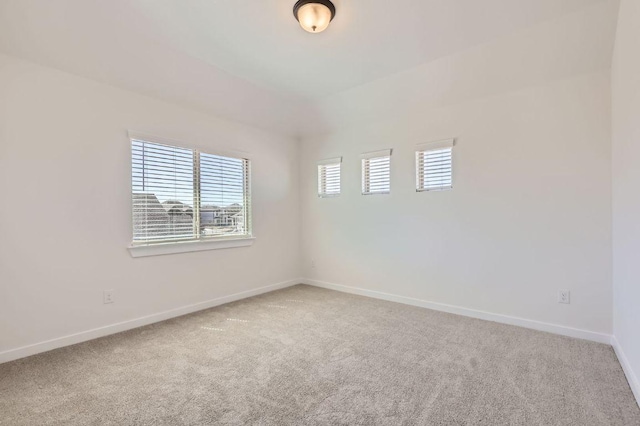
(188, 246)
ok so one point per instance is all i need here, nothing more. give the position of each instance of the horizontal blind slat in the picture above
(376, 175)
(328, 179)
(165, 194)
(434, 169)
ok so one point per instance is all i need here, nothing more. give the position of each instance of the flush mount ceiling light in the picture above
(314, 15)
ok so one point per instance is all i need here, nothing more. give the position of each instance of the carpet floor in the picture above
(309, 356)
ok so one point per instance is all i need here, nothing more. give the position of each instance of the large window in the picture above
(329, 177)
(181, 194)
(376, 172)
(434, 166)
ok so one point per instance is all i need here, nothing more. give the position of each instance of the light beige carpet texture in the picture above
(309, 356)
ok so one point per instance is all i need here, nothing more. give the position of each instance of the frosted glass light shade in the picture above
(314, 17)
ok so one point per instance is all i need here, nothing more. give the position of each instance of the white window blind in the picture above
(376, 172)
(434, 166)
(181, 194)
(329, 177)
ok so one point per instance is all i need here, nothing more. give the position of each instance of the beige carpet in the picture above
(305, 355)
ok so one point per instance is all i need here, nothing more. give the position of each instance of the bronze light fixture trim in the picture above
(314, 16)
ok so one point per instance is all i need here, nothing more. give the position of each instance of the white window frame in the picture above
(366, 178)
(421, 150)
(198, 242)
(323, 192)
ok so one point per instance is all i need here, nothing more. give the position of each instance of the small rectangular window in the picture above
(434, 166)
(376, 172)
(329, 177)
(181, 194)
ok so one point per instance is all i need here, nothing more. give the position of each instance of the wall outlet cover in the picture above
(107, 296)
(564, 296)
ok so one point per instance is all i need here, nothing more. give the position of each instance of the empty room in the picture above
(314, 212)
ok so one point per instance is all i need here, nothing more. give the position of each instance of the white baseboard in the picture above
(72, 339)
(634, 383)
(452, 309)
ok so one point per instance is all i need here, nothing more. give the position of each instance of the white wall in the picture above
(530, 212)
(65, 219)
(626, 189)
(563, 47)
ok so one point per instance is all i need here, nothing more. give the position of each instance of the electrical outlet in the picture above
(564, 296)
(107, 296)
(313, 264)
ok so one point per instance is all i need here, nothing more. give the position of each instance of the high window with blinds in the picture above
(329, 177)
(376, 172)
(434, 166)
(181, 194)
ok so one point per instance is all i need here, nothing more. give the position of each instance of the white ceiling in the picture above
(249, 61)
